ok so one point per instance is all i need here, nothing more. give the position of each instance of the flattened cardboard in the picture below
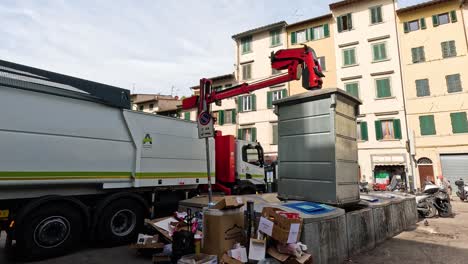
(229, 202)
(284, 230)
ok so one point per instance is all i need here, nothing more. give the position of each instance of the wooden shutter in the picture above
(346, 57)
(350, 21)
(422, 22)
(254, 134)
(352, 55)
(339, 21)
(269, 99)
(379, 14)
(435, 20)
(326, 30)
(445, 49)
(293, 38)
(240, 100)
(187, 115)
(373, 15)
(397, 128)
(254, 102)
(221, 117)
(239, 133)
(378, 130)
(364, 132)
(453, 16)
(427, 126)
(452, 48)
(406, 27)
(233, 118)
(422, 54)
(414, 55)
(459, 122)
(284, 93)
(376, 52)
(311, 34)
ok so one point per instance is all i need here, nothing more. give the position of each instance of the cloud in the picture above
(152, 45)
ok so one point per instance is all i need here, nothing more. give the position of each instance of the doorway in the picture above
(426, 171)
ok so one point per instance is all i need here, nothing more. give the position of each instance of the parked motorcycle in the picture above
(462, 192)
(364, 187)
(433, 200)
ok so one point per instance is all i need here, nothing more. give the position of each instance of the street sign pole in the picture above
(210, 192)
(206, 130)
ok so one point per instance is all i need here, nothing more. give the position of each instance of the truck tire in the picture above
(49, 230)
(246, 187)
(120, 222)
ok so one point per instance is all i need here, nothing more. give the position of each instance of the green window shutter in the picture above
(293, 38)
(284, 93)
(307, 32)
(326, 30)
(453, 16)
(239, 133)
(414, 55)
(254, 102)
(376, 52)
(311, 34)
(427, 125)
(422, 22)
(187, 115)
(383, 88)
(397, 128)
(269, 99)
(364, 132)
(452, 48)
(339, 22)
(353, 89)
(221, 117)
(233, 113)
(459, 122)
(272, 38)
(373, 15)
(422, 55)
(352, 55)
(445, 49)
(240, 99)
(346, 57)
(406, 27)
(422, 88)
(379, 14)
(350, 21)
(378, 130)
(435, 20)
(254, 134)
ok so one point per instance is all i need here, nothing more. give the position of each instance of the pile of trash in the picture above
(228, 232)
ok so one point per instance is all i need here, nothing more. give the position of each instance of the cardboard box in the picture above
(229, 202)
(257, 249)
(278, 227)
(284, 258)
(222, 229)
(228, 260)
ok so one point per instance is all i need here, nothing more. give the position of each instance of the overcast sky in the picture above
(150, 45)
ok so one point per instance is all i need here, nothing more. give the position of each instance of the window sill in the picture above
(384, 98)
(389, 140)
(247, 52)
(425, 136)
(375, 24)
(459, 92)
(349, 66)
(347, 30)
(361, 141)
(377, 61)
(277, 45)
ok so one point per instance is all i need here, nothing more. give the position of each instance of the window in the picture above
(248, 134)
(322, 63)
(383, 88)
(362, 133)
(427, 125)
(187, 115)
(344, 22)
(246, 44)
(215, 116)
(379, 51)
(388, 129)
(218, 88)
(301, 36)
(448, 49)
(274, 140)
(318, 33)
(440, 19)
(349, 57)
(418, 54)
(352, 88)
(275, 37)
(453, 83)
(246, 103)
(376, 14)
(230, 116)
(275, 95)
(247, 71)
(151, 106)
(422, 88)
(459, 122)
(141, 107)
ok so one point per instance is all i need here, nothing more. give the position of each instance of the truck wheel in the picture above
(48, 231)
(246, 188)
(120, 222)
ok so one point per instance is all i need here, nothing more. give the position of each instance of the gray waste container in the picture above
(360, 228)
(317, 147)
(381, 214)
(409, 208)
(396, 218)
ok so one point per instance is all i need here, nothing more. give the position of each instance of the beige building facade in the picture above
(317, 33)
(433, 46)
(367, 62)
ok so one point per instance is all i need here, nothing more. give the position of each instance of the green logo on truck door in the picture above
(147, 141)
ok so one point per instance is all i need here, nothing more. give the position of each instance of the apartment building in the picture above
(156, 104)
(317, 33)
(255, 118)
(433, 46)
(368, 67)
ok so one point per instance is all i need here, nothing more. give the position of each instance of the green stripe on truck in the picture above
(78, 175)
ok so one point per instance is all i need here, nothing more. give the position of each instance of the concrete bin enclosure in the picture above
(317, 147)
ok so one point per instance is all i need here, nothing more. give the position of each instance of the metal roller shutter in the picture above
(455, 167)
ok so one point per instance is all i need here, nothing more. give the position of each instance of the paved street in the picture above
(445, 240)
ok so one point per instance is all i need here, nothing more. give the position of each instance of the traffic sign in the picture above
(205, 125)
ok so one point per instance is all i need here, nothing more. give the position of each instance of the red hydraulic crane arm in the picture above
(298, 61)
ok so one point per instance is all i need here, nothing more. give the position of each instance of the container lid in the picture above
(306, 210)
(316, 95)
(374, 201)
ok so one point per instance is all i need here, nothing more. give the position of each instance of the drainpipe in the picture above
(411, 160)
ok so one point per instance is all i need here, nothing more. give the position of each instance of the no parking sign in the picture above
(205, 125)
